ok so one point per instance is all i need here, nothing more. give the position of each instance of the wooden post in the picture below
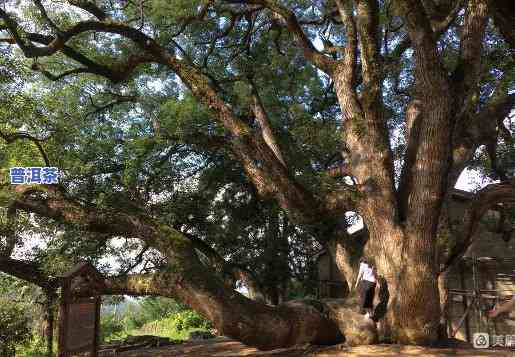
(49, 321)
(443, 291)
(79, 315)
(63, 319)
(477, 294)
(465, 305)
(97, 327)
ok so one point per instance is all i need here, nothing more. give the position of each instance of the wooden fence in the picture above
(475, 285)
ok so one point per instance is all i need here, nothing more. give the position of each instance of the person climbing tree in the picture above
(367, 278)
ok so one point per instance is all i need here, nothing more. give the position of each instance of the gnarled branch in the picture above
(479, 130)
(439, 24)
(90, 7)
(484, 200)
(504, 18)
(28, 271)
(312, 54)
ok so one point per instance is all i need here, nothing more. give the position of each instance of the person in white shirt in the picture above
(366, 281)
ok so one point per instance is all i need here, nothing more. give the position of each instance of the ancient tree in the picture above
(409, 93)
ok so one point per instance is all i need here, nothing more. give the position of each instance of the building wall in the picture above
(494, 273)
(331, 282)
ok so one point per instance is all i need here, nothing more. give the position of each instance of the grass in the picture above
(174, 335)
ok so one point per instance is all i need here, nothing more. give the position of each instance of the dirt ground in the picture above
(223, 347)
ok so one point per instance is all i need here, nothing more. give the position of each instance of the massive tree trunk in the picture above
(395, 245)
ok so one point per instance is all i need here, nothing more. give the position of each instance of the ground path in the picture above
(223, 347)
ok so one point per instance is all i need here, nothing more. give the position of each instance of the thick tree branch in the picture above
(465, 78)
(262, 166)
(116, 72)
(264, 122)
(49, 202)
(235, 272)
(439, 24)
(368, 28)
(57, 207)
(311, 53)
(413, 124)
(492, 114)
(186, 279)
(90, 7)
(345, 9)
(481, 129)
(27, 271)
(364, 133)
(504, 17)
(429, 66)
(10, 138)
(431, 144)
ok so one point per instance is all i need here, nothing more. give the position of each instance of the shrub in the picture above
(14, 326)
(111, 328)
(189, 319)
(35, 348)
(178, 326)
(155, 308)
